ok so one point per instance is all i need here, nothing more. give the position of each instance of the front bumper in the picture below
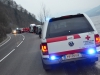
(47, 61)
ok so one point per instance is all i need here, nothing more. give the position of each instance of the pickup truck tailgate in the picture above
(63, 44)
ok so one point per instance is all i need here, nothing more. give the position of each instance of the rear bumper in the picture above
(98, 49)
(60, 61)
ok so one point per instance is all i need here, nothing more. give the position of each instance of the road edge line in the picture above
(7, 55)
(6, 41)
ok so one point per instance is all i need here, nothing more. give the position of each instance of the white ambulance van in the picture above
(68, 38)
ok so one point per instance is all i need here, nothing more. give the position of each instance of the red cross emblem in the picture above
(87, 37)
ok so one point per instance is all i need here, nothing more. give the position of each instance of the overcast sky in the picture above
(58, 7)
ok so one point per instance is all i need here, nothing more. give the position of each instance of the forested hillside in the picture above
(13, 15)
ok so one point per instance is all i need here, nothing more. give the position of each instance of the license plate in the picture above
(76, 55)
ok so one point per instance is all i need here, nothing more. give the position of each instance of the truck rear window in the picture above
(68, 26)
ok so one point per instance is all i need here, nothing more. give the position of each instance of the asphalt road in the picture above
(21, 56)
(25, 59)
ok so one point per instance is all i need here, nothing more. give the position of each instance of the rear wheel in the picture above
(92, 61)
(46, 67)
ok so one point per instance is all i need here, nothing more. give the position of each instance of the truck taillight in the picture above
(97, 39)
(44, 48)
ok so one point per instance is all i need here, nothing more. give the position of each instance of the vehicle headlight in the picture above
(14, 31)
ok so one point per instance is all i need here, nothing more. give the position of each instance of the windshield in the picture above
(68, 26)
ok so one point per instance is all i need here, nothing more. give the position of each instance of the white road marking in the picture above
(20, 43)
(6, 41)
(23, 37)
(7, 55)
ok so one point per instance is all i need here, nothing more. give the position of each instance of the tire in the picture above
(92, 61)
(47, 68)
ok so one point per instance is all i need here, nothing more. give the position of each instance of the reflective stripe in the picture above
(76, 36)
(45, 56)
(62, 38)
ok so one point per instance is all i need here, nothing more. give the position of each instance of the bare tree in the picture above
(33, 15)
(4, 1)
(43, 14)
(15, 5)
(40, 16)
